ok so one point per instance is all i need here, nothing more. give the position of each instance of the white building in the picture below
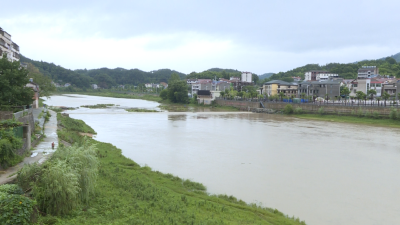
(7, 46)
(94, 86)
(367, 71)
(315, 75)
(247, 77)
(148, 85)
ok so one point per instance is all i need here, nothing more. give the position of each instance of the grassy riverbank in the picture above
(351, 119)
(127, 193)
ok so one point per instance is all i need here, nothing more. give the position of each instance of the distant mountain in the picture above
(265, 75)
(395, 56)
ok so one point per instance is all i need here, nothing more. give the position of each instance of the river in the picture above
(321, 172)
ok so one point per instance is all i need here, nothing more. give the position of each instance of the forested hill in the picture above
(104, 77)
(387, 66)
(59, 74)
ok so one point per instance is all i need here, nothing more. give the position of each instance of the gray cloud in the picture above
(265, 27)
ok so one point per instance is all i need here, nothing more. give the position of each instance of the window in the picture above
(354, 85)
(279, 86)
(378, 85)
(355, 90)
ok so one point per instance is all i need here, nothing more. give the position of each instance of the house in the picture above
(234, 79)
(94, 86)
(275, 87)
(391, 87)
(7, 46)
(191, 81)
(315, 75)
(148, 85)
(121, 86)
(296, 78)
(377, 86)
(367, 72)
(204, 96)
(36, 90)
(165, 85)
(360, 85)
(330, 88)
(67, 85)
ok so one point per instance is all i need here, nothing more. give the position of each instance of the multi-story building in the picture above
(367, 72)
(360, 85)
(330, 88)
(377, 86)
(247, 77)
(7, 46)
(315, 75)
(275, 87)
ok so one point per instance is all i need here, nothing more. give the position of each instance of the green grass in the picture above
(74, 124)
(352, 119)
(127, 193)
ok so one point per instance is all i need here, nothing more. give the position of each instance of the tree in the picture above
(44, 82)
(177, 90)
(164, 94)
(390, 60)
(371, 92)
(385, 96)
(13, 79)
(344, 90)
(281, 94)
(359, 96)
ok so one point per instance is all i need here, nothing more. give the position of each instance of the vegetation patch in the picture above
(74, 125)
(141, 110)
(98, 106)
(374, 120)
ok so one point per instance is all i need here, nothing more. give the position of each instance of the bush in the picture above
(298, 110)
(28, 175)
(164, 94)
(360, 112)
(193, 185)
(16, 209)
(84, 162)
(321, 111)
(11, 189)
(393, 113)
(57, 189)
(368, 114)
(375, 115)
(288, 109)
(8, 146)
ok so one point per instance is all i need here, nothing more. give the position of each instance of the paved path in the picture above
(41, 152)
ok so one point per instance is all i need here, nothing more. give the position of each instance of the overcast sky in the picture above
(256, 36)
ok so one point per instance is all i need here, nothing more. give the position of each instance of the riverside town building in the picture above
(7, 46)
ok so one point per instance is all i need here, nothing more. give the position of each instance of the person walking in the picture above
(52, 145)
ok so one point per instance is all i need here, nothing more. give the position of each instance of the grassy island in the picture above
(127, 193)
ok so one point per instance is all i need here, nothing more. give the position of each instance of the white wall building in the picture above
(247, 77)
(7, 46)
(367, 71)
(315, 75)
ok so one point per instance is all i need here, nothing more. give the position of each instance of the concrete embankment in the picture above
(309, 107)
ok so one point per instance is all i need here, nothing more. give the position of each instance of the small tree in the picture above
(371, 93)
(385, 96)
(281, 95)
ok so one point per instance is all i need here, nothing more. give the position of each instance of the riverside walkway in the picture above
(40, 153)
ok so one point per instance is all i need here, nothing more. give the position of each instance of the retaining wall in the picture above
(331, 109)
(243, 105)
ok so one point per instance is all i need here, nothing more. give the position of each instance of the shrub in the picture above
(16, 209)
(321, 111)
(164, 94)
(393, 113)
(353, 113)
(8, 146)
(28, 175)
(360, 112)
(368, 114)
(375, 115)
(83, 160)
(298, 110)
(57, 189)
(193, 185)
(11, 189)
(288, 109)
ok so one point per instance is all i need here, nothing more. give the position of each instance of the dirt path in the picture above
(41, 152)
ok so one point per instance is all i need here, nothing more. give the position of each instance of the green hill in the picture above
(265, 75)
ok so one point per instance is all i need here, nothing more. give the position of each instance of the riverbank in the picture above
(127, 193)
(351, 119)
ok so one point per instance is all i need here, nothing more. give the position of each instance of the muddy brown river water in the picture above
(321, 172)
